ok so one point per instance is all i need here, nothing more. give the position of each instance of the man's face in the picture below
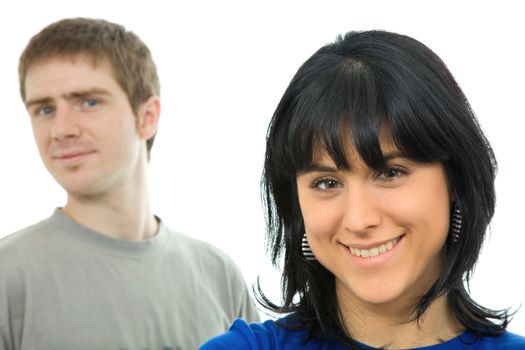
(86, 132)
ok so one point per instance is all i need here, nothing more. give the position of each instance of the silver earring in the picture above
(307, 251)
(455, 225)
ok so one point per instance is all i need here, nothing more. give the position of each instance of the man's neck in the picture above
(384, 327)
(122, 214)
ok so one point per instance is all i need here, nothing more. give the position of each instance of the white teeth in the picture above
(355, 251)
(375, 251)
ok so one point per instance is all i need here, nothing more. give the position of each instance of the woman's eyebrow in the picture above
(315, 167)
(393, 155)
(319, 168)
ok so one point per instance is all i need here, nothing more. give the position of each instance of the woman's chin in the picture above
(374, 295)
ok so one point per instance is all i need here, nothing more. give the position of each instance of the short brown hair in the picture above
(128, 56)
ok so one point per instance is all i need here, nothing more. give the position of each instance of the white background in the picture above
(223, 67)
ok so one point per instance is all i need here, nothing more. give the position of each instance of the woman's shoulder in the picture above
(508, 341)
(469, 340)
(284, 333)
(288, 333)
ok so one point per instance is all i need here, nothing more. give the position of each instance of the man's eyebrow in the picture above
(38, 101)
(93, 91)
(70, 96)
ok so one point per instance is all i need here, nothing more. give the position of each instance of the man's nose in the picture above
(65, 124)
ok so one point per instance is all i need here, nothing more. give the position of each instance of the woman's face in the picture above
(380, 234)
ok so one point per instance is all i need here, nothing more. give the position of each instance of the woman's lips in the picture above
(375, 250)
(373, 255)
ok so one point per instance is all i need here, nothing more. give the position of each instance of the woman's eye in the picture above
(391, 173)
(326, 184)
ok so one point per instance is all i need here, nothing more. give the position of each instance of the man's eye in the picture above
(90, 103)
(44, 111)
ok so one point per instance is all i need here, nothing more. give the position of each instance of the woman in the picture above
(379, 186)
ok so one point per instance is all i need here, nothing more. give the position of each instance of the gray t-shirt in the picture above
(64, 286)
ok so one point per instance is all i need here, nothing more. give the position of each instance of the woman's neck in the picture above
(391, 326)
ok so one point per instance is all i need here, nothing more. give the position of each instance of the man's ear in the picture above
(148, 118)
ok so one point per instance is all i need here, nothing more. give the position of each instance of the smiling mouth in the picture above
(375, 251)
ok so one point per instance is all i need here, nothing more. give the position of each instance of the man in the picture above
(103, 272)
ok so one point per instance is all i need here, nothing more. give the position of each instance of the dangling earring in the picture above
(455, 225)
(307, 251)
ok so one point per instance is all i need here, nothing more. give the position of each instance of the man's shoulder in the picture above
(22, 249)
(200, 254)
(29, 237)
(195, 247)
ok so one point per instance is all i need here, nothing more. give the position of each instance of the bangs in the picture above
(335, 105)
(367, 90)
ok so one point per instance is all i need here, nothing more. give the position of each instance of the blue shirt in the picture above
(268, 335)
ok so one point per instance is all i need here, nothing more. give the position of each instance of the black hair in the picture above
(354, 89)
